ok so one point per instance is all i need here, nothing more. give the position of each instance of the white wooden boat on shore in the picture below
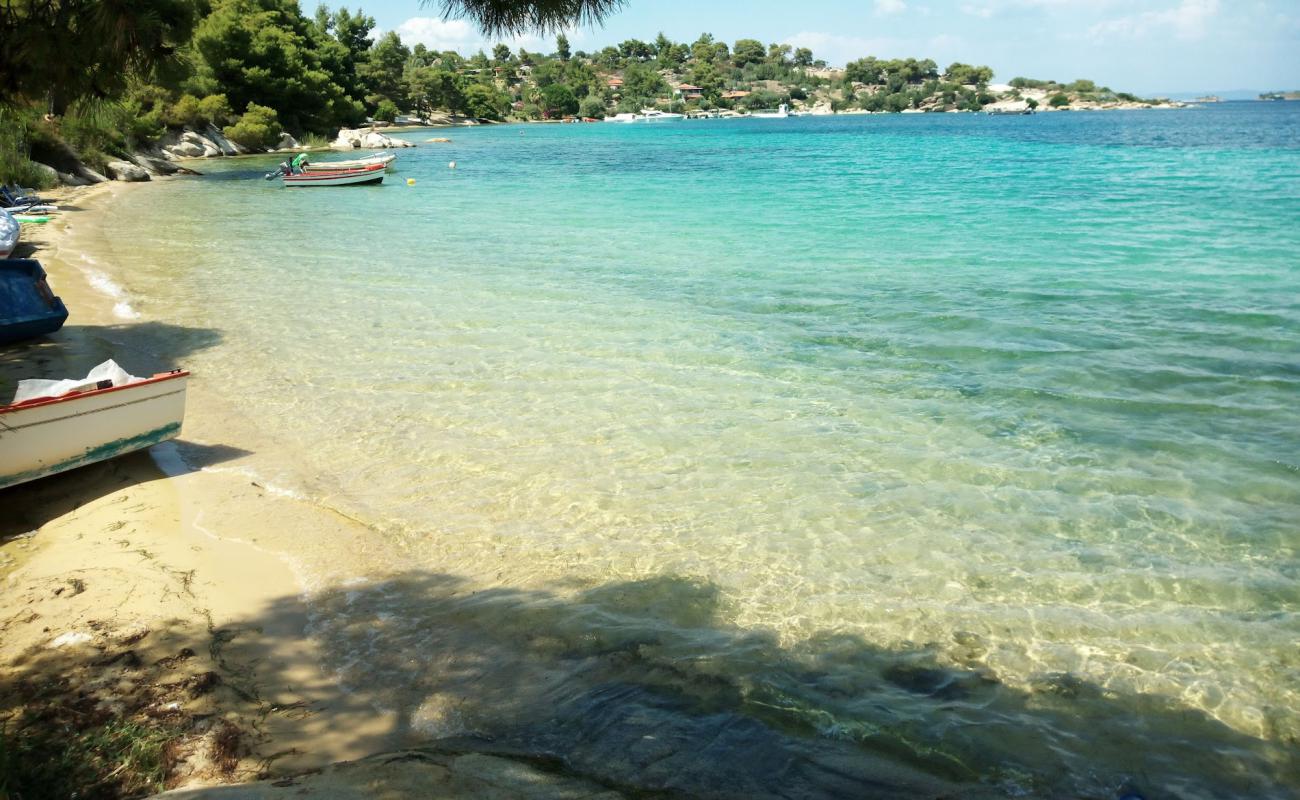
(357, 163)
(374, 173)
(48, 435)
(9, 228)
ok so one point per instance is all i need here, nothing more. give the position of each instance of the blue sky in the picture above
(1148, 46)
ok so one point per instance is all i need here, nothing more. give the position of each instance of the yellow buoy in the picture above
(410, 181)
(451, 165)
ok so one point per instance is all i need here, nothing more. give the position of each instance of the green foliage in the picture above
(1032, 103)
(266, 52)
(501, 54)
(593, 107)
(966, 75)
(215, 108)
(643, 82)
(382, 72)
(803, 57)
(258, 128)
(558, 100)
(387, 111)
(486, 102)
(121, 758)
(562, 47)
(432, 88)
(1059, 100)
(748, 51)
(15, 151)
(62, 50)
(185, 112)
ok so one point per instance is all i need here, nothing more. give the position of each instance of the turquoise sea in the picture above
(736, 458)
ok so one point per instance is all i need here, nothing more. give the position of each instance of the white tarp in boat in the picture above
(33, 388)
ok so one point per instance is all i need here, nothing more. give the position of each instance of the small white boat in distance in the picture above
(646, 115)
(357, 163)
(655, 115)
(100, 420)
(780, 113)
(9, 229)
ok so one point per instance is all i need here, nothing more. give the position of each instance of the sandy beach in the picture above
(153, 587)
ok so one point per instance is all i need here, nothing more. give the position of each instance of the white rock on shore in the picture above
(227, 147)
(126, 171)
(354, 139)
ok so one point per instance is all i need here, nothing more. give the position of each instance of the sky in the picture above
(1143, 46)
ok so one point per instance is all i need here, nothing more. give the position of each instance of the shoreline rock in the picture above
(366, 138)
(126, 171)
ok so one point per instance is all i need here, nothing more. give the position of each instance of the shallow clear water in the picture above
(972, 441)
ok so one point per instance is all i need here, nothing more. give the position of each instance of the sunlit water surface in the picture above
(970, 441)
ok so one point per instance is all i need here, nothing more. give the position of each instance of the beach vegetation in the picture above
(558, 100)
(387, 111)
(1059, 100)
(259, 127)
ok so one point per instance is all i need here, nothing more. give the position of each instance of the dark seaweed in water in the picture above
(644, 687)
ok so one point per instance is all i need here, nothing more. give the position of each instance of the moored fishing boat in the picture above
(373, 173)
(27, 305)
(386, 159)
(8, 233)
(108, 415)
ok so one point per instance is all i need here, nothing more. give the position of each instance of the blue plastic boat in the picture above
(27, 306)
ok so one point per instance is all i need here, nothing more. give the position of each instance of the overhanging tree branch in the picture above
(509, 17)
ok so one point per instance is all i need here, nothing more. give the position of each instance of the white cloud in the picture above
(1187, 20)
(885, 8)
(457, 34)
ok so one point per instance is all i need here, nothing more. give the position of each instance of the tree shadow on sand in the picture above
(645, 687)
(645, 684)
(29, 506)
(141, 348)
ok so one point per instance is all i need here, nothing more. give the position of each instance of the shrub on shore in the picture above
(259, 127)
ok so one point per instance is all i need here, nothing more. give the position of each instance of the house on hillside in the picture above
(615, 83)
(734, 94)
(689, 92)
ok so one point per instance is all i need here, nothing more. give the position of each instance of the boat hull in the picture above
(9, 231)
(359, 177)
(46, 437)
(386, 159)
(27, 306)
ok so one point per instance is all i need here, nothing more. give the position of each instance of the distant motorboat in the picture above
(28, 308)
(781, 112)
(97, 420)
(357, 163)
(655, 115)
(9, 230)
(646, 115)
